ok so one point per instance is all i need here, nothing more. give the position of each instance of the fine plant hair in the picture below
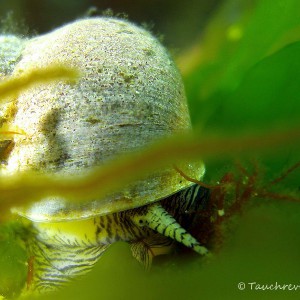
(94, 11)
(10, 23)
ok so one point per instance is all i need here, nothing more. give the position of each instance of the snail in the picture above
(129, 96)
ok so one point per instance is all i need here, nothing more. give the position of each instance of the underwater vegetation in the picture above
(242, 84)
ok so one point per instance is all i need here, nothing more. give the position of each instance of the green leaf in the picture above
(269, 94)
(238, 37)
(13, 260)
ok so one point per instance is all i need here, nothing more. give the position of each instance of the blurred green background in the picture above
(240, 62)
(180, 23)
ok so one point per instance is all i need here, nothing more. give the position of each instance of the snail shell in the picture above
(10, 50)
(130, 95)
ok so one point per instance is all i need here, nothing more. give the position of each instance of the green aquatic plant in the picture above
(12, 87)
(102, 180)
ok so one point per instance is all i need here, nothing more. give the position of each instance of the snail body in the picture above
(67, 250)
(130, 95)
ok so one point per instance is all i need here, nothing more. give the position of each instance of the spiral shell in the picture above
(130, 94)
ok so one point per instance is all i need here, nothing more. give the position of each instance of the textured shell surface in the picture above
(129, 95)
(11, 48)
